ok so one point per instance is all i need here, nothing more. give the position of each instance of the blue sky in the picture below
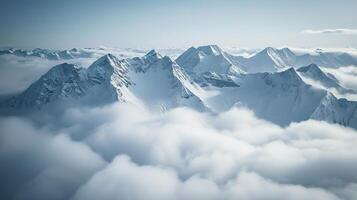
(170, 23)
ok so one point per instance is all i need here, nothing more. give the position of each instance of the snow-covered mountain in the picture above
(208, 58)
(61, 81)
(271, 59)
(268, 60)
(335, 110)
(152, 80)
(103, 82)
(161, 82)
(212, 58)
(281, 97)
(209, 79)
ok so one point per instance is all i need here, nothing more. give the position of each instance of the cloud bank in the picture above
(338, 31)
(124, 152)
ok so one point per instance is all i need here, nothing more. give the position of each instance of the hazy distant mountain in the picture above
(48, 54)
(211, 58)
(73, 53)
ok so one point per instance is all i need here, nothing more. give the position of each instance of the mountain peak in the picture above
(210, 49)
(152, 52)
(152, 56)
(106, 66)
(64, 69)
(209, 58)
(327, 80)
(290, 71)
(167, 60)
(272, 50)
(108, 59)
(311, 68)
(286, 49)
(291, 75)
(314, 66)
(268, 50)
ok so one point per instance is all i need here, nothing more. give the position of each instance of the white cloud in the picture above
(126, 180)
(339, 31)
(36, 165)
(179, 154)
(252, 186)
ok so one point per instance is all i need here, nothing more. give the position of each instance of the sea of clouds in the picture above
(122, 151)
(125, 152)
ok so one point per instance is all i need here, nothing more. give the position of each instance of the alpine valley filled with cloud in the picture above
(175, 117)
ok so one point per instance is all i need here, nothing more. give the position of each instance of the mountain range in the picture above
(48, 54)
(73, 53)
(205, 78)
(213, 58)
(210, 56)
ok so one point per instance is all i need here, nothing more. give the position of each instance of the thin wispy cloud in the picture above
(338, 31)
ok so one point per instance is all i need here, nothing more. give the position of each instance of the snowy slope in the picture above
(160, 82)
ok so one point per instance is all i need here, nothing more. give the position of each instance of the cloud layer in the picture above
(338, 31)
(125, 152)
